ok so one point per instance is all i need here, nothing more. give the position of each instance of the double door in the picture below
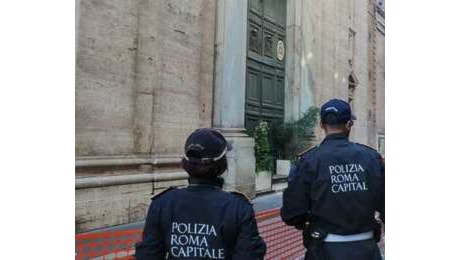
(265, 72)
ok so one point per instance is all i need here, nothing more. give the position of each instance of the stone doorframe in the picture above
(230, 81)
(229, 93)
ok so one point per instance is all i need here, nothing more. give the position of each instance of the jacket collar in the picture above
(335, 137)
(216, 183)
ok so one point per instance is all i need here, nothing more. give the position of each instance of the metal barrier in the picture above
(107, 245)
(283, 242)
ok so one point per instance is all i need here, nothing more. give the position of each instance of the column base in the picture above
(240, 175)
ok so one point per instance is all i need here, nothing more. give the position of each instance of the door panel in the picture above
(256, 6)
(279, 91)
(269, 9)
(265, 71)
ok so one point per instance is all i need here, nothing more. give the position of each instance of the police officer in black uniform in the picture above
(201, 220)
(336, 188)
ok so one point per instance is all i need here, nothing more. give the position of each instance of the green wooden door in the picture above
(265, 62)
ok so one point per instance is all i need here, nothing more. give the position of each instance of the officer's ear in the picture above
(349, 124)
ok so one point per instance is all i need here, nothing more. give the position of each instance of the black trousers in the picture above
(356, 250)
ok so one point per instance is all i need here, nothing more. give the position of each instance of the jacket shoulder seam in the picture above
(161, 193)
(242, 196)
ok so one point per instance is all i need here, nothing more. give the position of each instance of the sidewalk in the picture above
(268, 201)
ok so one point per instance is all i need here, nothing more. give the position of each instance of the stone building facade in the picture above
(148, 72)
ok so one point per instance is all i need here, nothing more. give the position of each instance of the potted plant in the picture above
(264, 159)
(291, 138)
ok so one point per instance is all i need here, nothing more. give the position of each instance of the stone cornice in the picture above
(109, 161)
(103, 181)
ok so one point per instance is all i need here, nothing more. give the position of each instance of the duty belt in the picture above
(349, 238)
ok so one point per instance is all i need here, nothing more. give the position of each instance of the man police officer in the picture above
(337, 187)
(201, 220)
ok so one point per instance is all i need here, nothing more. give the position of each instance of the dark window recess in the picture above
(351, 38)
(351, 89)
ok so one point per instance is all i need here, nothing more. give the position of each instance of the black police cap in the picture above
(339, 108)
(206, 145)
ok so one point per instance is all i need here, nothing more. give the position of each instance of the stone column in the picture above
(146, 72)
(293, 60)
(77, 23)
(299, 82)
(241, 162)
(229, 93)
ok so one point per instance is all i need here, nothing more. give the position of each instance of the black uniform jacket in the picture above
(338, 186)
(200, 221)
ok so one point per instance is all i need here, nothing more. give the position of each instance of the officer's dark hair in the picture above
(210, 170)
(330, 120)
